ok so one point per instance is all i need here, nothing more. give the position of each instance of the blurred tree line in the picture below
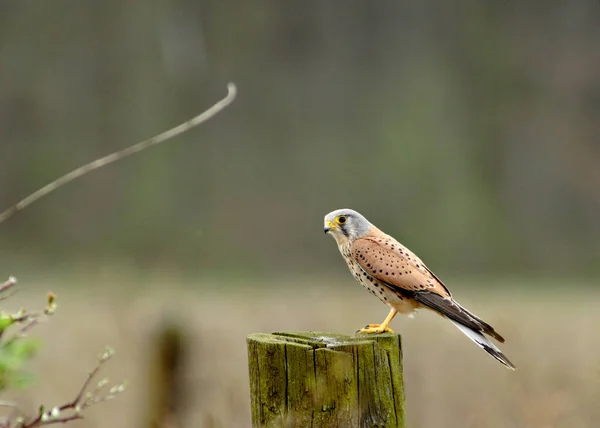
(468, 130)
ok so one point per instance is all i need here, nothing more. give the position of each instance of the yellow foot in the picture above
(375, 328)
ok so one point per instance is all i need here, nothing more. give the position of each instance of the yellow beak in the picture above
(329, 226)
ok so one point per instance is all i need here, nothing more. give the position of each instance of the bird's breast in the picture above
(380, 289)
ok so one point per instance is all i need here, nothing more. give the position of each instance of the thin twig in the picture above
(8, 296)
(16, 410)
(9, 283)
(98, 163)
(30, 319)
(56, 421)
(30, 324)
(83, 389)
(86, 396)
(82, 401)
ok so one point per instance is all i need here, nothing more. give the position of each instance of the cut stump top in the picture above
(326, 379)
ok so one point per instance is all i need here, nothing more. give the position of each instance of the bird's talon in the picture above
(375, 329)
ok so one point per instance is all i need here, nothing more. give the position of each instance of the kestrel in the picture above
(401, 280)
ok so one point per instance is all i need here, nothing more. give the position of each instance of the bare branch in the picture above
(84, 388)
(87, 395)
(98, 163)
(56, 421)
(9, 283)
(30, 319)
(82, 401)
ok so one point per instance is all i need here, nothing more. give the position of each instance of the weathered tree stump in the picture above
(311, 379)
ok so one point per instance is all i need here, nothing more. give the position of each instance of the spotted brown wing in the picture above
(391, 263)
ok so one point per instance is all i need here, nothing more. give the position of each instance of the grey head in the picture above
(346, 225)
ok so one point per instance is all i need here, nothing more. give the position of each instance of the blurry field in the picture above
(449, 382)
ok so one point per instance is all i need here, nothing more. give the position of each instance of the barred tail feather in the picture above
(485, 344)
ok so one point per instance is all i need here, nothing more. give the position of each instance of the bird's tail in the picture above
(485, 344)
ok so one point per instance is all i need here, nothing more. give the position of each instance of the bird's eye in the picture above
(341, 219)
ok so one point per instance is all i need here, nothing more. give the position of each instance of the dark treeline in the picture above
(468, 130)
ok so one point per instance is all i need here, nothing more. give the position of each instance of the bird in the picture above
(390, 271)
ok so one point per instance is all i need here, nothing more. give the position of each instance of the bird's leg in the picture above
(380, 328)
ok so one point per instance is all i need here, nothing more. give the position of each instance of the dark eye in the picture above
(341, 219)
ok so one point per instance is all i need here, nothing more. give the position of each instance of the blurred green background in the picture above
(468, 130)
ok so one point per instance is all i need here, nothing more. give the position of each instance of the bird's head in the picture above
(346, 225)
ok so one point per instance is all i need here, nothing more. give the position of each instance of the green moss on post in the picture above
(324, 380)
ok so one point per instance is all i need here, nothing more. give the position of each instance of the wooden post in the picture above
(167, 387)
(310, 379)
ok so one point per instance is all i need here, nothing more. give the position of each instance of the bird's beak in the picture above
(329, 226)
